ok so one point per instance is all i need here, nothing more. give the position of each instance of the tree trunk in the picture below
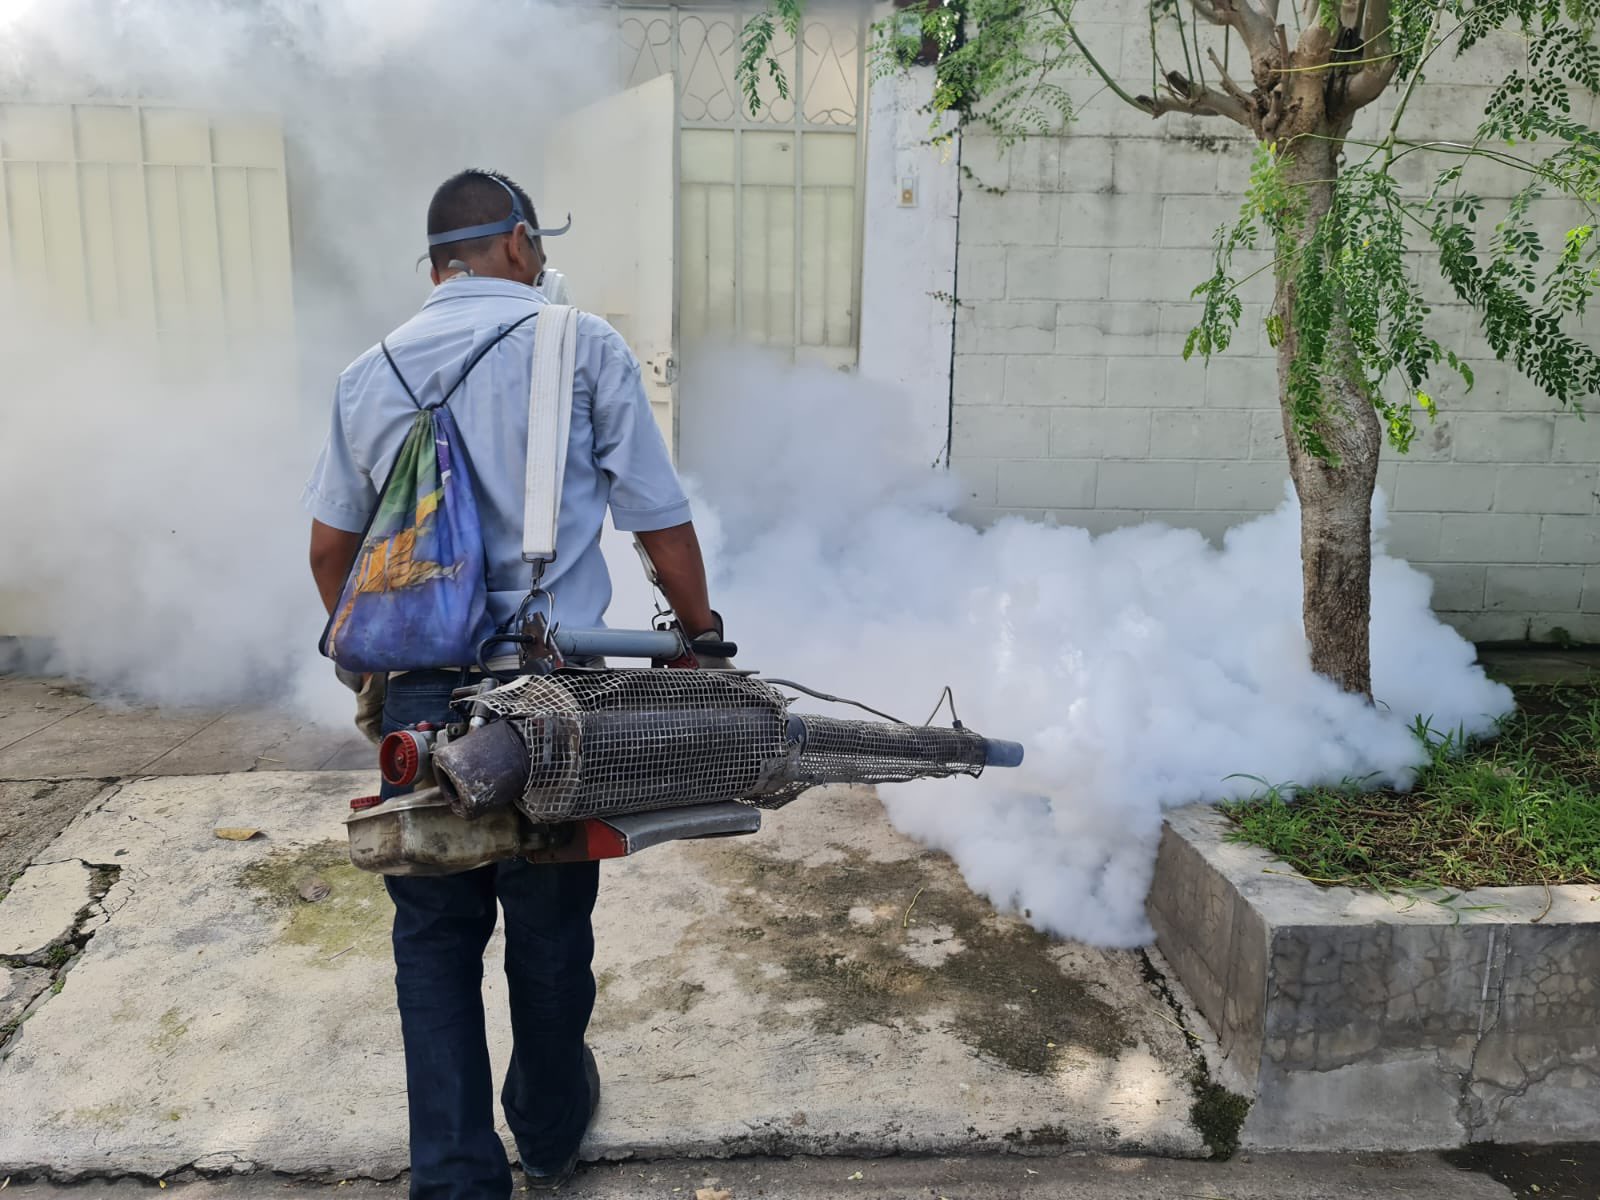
(1335, 499)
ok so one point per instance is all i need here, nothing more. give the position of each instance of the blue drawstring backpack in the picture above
(417, 595)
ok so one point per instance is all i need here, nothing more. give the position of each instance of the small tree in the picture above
(1349, 318)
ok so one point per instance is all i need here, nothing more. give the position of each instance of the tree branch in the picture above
(1253, 24)
(1117, 89)
(1367, 84)
(1185, 96)
(1233, 89)
(1197, 101)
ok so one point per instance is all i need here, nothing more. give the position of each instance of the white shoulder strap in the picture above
(555, 348)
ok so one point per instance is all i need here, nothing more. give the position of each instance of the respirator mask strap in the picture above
(517, 217)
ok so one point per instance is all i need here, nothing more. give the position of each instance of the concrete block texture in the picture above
(1108, 219)
(1051, 379)
(983, 273)
(1253, 486)
(1363, 1021)
(1164, 381)
(1096, 327)
(1009, 218)
(1518, 588)
(1150, 274)
(1006, 327)
(1206, 433)
(1100, 432)
(1545, 489)
(989, 432)
(1056, 274)
(1236, 381)
(1048, 483)
(1501, 437)
(1569, 539)
(1167, 166)
(1489, 538)
(1146, 485)
(1086, 164)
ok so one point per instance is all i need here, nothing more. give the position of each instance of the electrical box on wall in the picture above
(908, 191)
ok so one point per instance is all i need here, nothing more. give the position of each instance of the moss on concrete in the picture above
(354, 918)
(1217, 1113)
(170, 1030)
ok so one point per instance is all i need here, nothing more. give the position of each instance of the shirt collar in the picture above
(477, 287)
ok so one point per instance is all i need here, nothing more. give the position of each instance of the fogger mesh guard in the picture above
(611, 742)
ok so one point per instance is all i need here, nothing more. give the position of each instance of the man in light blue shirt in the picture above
(487, 256)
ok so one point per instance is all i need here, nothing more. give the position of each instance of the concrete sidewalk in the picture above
(1091, 1177)
(825, 987)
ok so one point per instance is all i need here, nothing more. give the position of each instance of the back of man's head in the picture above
(473, 197)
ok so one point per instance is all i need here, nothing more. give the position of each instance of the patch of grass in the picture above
(1521, 807)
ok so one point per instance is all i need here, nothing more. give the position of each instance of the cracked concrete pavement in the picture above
(778, 994)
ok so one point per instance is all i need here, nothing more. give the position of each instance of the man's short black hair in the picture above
(474, 197)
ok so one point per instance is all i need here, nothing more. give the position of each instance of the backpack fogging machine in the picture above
(559, 763)
(551, 759)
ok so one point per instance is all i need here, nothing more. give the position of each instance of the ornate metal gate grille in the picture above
(769, 225)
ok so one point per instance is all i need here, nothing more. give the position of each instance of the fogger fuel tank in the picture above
(551, 762)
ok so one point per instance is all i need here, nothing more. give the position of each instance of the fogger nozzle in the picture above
(997, 752)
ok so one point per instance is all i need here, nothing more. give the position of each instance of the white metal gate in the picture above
(769, 206)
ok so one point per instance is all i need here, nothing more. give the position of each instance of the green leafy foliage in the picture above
(756, 50)
(999, 61)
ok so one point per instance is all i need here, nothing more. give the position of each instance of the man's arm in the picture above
(675, 554)
(332, 552)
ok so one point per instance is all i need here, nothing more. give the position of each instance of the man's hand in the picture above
(710, 662)
(699, 651)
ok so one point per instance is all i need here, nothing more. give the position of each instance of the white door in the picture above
(611, 166)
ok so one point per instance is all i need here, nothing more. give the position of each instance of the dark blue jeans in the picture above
(441, 926)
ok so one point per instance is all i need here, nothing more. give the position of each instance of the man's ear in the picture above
(433, 274)
(524, 253)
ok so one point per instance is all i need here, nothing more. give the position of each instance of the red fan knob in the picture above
(402, 755)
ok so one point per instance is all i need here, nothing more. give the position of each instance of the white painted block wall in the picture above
(1077, 257)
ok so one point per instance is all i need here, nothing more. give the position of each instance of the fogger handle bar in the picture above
(612, 643)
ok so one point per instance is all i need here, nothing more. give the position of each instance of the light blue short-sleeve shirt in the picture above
(616, 457)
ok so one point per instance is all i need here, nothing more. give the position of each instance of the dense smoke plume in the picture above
(1143, 669)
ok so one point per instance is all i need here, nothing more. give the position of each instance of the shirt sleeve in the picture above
(339, 492)
(645, 491)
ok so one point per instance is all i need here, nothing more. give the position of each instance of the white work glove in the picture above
(371, 691)
(710, 662)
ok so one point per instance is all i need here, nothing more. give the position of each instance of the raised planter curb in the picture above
(1359, 1020)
